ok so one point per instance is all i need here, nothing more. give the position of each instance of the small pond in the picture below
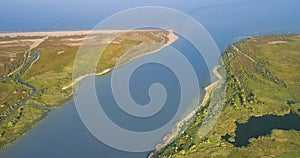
(263, 126)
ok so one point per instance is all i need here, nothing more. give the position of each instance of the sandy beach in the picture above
(171, 36)
(58, 33)
(67, 33)
(179, 125)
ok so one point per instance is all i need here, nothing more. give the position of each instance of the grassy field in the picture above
(20, 107)
(19, 123)
(263, 77)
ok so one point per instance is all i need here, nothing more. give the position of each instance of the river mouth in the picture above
(262, 126)
(62, 134)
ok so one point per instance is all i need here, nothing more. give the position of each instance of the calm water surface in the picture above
(62, 134)
(263, 126)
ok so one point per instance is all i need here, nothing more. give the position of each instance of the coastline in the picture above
(207, 96)
(57, 33)
(171, 36)
(66, 33)
(178, 127)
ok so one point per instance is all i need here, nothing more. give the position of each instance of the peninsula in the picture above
(36, 70)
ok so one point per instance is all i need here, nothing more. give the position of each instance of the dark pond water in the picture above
(263, 126)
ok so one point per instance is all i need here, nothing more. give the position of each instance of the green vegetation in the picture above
(54, 68)
(22, 106)
(13, 50)
(19, 123)
(51, 71)
(262, 78)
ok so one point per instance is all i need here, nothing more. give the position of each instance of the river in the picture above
(62, 133)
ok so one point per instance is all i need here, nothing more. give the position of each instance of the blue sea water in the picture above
(62, 134)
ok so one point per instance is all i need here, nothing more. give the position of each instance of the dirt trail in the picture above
(239, 51)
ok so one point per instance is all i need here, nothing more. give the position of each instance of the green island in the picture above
(262, 79)
(36, 70)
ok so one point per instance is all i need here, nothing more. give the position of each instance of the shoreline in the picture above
(171, 36)
(60, 33)
(55, 33)
(171, 39)
(178, 127)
